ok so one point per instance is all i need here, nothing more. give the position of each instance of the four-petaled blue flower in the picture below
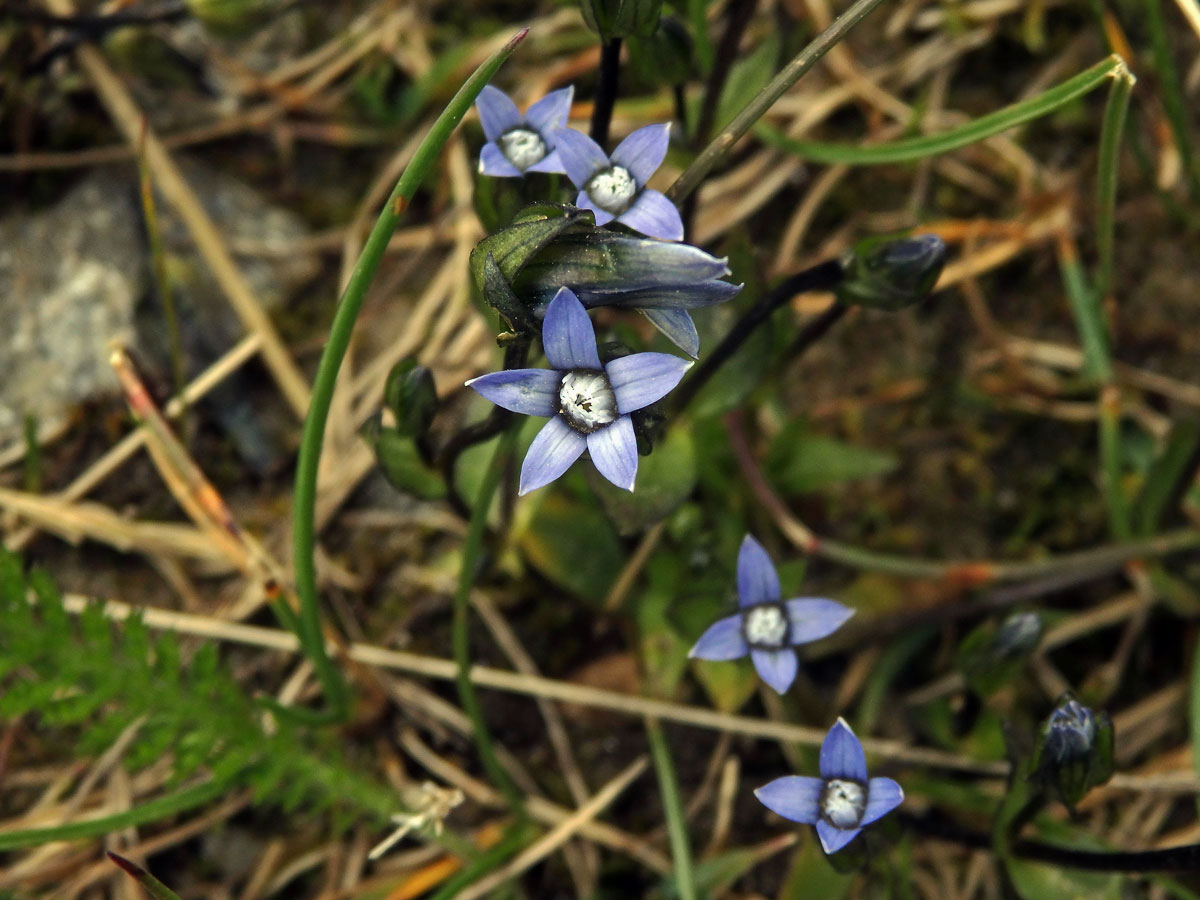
(615, 188)
(842, 801)
(766, 627)
(518, 144)
(589, 402)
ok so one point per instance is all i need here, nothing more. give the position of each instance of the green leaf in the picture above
(573, 545)
(811, 875)
(401, 462)
(665, 480)
(800, 461)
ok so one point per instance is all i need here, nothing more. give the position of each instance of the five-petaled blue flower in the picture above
(766, 627)
(589, 402)
(518, 144)
(615, 188)
(842, 801)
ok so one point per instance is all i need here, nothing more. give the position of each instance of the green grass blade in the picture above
(1172, 93)
(668, 786)
(1111, 131)
(180, 801)
(720, 146)
(1089, 317)
(149, 883)
(915, 148)
(305, 497)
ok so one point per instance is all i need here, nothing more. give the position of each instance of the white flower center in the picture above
(612, 190)
(586, 400)
(843, 802)
(522, 147)
(765, 626)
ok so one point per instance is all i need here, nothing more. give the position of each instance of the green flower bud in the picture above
(621, 18)
(1074, 751)
(990, 656)
(412, 397)
(892, 274)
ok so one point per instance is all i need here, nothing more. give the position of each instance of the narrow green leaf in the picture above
(916, 148)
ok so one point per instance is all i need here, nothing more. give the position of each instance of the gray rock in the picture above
(76, 277)
(69, 279)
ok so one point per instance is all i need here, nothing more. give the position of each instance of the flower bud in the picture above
(520, 268)
(892, 274)
(621, 18)
(990, 656)
(412, 397)
(1075, 750)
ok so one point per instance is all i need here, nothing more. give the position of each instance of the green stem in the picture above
(307, 464)
(161, 808)
(915, 148)
(720, 146)
(1111, 131)
(472, 552)
(668, 786)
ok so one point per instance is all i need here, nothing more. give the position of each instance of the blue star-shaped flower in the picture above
(842, 801)
(615, 187)
(518, 144)
(588, 402)
(766, 627)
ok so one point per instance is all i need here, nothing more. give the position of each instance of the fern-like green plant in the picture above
(87, 678)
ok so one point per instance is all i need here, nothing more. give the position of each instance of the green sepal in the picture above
(500, 296)
(621, 18)
(533, 228)
(664, 56)
(401, 462)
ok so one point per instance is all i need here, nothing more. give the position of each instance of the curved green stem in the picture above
(914, 148)
(305, 500)
(668, 788)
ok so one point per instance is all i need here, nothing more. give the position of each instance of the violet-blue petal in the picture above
(833, 838)
(568, 338)
(550, 163)
(553, 450)
(581, 156)
(551, 112)
(776, 667)
(614, 452)
(584, 201)
(677, 326)
(654, 215)
(812, 618)
(643, 151)
(531, 392)
(842, 755)
(492, 161)
(721, 641)
(497, 113)
(795, 797)
(756, 579)
(643, 378)
(883, 795)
